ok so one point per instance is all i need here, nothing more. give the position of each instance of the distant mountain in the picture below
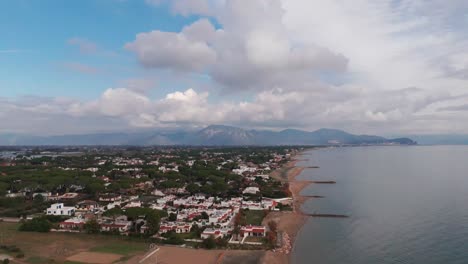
(441, 139)
(214, 135)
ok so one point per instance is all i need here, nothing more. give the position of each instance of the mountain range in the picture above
(214, 135)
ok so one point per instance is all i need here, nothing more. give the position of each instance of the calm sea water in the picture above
(406, 205)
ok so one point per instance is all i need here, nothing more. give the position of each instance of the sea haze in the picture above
(406, 205)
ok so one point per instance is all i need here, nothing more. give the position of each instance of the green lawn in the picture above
(254, 217)
(38, 260)
(122, 249)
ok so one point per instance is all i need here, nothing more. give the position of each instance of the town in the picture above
(203, 197)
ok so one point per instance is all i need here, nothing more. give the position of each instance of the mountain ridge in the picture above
(213, 135)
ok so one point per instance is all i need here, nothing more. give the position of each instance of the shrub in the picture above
(37, 224)
(209, 243)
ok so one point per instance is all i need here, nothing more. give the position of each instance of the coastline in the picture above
(290, 223)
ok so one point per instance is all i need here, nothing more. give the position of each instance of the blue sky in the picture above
(365, 66)
(35, 46)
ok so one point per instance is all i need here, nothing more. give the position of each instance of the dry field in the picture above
(95, 258)
(44, 248)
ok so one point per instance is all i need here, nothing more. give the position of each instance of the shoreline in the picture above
(290, 223)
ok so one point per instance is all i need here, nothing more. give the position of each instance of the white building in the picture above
(215, 233)
(251, 190)
(60, 209)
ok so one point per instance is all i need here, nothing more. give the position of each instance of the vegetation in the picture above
(92, 227)
(252, 217)
(38, 224)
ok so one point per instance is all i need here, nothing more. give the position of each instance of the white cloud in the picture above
(158, 49)
(253, 50)
(366, 66)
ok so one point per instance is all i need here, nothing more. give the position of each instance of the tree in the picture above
(38, 224)
(204, 215)
(95, 188)
(152, 221)
(221, 242)
(209, 242)
(116, 211)
(236, 231)
(38, 199)
(92, 226)
(273, 226)
(172, 217)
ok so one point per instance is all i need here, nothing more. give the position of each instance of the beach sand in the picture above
(288, 222)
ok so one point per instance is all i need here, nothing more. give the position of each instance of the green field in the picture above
(121, 249)
(254, 217)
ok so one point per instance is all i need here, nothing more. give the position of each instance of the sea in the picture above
(406, 204)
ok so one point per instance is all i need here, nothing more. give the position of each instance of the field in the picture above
(44, 248)
(254, 217)
(54, 248)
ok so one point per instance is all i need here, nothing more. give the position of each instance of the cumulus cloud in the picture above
(386, 67)
(252, 50)
(159, 49)
(400, 111)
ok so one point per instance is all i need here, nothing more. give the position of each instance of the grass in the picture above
(45, 248)
(121, 249)
(254, 239)
(38, 260)
(254, 217)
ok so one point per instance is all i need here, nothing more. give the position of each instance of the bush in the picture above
(174, 239)
(38, 224)
(92, 227)
(209, 243)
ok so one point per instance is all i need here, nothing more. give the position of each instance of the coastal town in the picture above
(192, 197)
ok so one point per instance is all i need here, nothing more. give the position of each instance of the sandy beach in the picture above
(288, 222)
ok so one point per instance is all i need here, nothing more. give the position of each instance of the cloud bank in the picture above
(382, 67)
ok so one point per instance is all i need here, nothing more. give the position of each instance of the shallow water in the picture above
(406, 205)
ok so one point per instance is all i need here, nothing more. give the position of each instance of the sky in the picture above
(388, 67)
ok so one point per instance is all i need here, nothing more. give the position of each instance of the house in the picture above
(215, 232)
(179, 228)
(14, 195)
(157, 192)
(110, 197)
(255, 231)
(87, 205)
(251, 190)
(45, 195)
(133, 204)
(60, 209)
(68, 196)
(75, 223)
(120, 224)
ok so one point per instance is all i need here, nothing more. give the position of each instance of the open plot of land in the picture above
(254, 217)
(95, 257)
(177, 255)
(58, 247)
(243, 257)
